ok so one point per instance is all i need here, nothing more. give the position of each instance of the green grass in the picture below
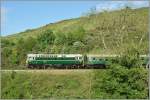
(46, 84)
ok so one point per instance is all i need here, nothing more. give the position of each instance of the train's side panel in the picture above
(96, 62)
(46, 62)
(39, 60)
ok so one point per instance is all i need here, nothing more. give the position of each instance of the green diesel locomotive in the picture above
(64, 61)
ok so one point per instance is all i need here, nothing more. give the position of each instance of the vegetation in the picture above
(126, 78)
(46, 84)
(96, 33)
(121, 83)
(115, 83)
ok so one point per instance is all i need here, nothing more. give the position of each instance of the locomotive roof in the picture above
(90, 55)
(58, 55)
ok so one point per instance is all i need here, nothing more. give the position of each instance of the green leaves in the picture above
(46, 37)
(130, 58)
(120, 82)
(45, 85)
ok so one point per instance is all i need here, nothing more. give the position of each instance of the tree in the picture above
(29, 43)
(4, 43)
(60, 38)
(15, 57)
(130, 58)
(46, 37)
(79, 46)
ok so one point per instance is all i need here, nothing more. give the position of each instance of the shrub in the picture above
(121, 82)
(130, 58)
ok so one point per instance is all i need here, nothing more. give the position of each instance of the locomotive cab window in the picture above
(76, 58)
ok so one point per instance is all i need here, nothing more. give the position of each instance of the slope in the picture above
(102, 33)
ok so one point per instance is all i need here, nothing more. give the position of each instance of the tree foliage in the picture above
(121, 83)
(46, 37)
(130, 58)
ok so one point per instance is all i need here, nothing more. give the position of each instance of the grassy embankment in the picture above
(75, 84)
(46, 84)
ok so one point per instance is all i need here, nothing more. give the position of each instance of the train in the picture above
(72, 61)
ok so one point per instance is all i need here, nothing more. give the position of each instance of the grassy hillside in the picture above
(46, 84)
(115, 83)
(101, 33)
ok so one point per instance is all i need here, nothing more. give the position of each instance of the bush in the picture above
(121, 82)
(130, 58)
